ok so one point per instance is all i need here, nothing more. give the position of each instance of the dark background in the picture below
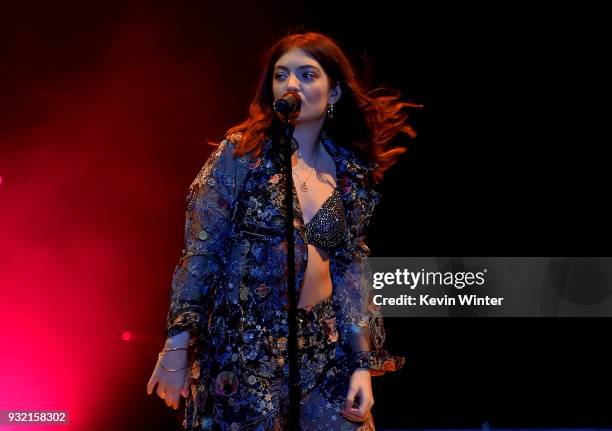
(507, 162)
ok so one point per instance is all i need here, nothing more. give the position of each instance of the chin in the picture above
(303, 119)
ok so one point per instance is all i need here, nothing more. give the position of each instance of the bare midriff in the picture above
(317, 285)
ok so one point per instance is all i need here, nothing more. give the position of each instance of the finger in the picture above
(151, 384)
(350, 398)
(169, 398)
(177, 401)
(185, 391)
(174, 400)
(350, 414)
(351, 417)
(161, 390)
(355, 414)
(364, 406)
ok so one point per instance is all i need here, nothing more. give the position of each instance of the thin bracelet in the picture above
(171, 349)
(170, 369)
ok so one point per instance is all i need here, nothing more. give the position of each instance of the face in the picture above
(297, 71)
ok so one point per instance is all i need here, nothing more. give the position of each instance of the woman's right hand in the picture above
(170, 384)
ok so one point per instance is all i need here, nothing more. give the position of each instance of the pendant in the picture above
(304, 187)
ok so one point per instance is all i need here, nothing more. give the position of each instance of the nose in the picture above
(292, 83)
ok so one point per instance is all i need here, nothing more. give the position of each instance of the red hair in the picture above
(363, 121)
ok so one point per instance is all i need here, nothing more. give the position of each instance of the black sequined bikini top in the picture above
(327, 227)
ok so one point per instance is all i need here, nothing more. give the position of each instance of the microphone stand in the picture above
(294, 388)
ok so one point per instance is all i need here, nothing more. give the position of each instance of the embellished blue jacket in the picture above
(229, 289)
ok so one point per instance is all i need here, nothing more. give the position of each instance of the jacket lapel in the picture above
(358, 197)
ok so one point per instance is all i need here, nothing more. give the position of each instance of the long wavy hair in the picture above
(365, 121)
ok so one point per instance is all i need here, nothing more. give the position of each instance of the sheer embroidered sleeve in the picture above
(360, 321)
(207, 228)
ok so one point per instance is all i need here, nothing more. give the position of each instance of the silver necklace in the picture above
(304, 186)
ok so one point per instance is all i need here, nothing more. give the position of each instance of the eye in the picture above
(279, 75)
(310, 75)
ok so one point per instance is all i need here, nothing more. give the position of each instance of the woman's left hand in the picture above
(360, 386)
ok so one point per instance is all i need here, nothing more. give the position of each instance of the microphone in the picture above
(289, 103)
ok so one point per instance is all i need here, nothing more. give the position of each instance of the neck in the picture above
(307, 136)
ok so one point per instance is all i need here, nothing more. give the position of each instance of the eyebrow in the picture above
(306, 66)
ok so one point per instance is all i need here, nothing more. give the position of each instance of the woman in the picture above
(226, 351)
